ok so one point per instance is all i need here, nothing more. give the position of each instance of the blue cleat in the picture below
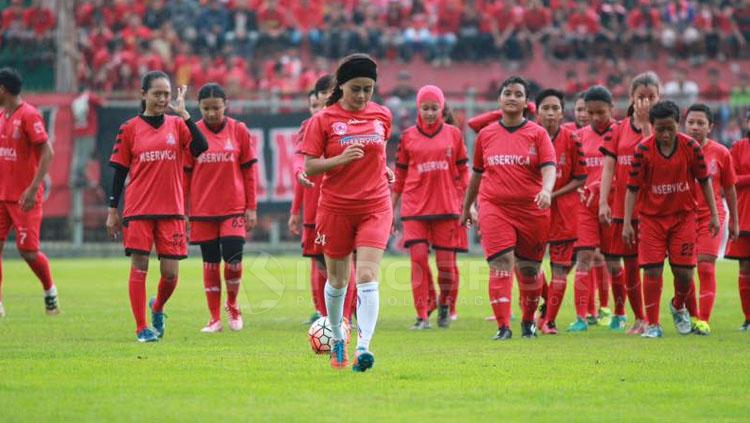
(157, 319)
(618, 323)
(363, 360)
(147, 335)
(653, 331)
(579, 325)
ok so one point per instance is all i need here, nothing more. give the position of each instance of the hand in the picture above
(474, 213)
(28, 198)
(641, 108)
(734, 230)
(302, 179)
(294, 224)
(178, 107)
(543, 200)
(591, 193)
(628, 234)
(352, 153)
(605, 214)
(713, 225)
(394, 229)
(251, 219)
(466, 218)
(390, 175)
(114, 225)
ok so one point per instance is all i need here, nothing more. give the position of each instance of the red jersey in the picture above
(307, 198)
(591, 143)
(570, 165)
(666, 183)
(572, 126)
(222, 179)
(427, 169)
(511, 160)
(721, 170)
(741, 160)
(155, 158)
(621, 147)
(361, 186)
(21, 133)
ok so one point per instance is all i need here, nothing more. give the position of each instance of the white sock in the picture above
(368, 306)
(51, 291)
(335, 306)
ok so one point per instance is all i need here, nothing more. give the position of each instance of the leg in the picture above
(318, 277)
(368, 296)
(445, 259)
(683, 278)
(335, 291)
(2, 246)
(582, 288)
(137, 289)
(167, 283)
(231, 252)
(744, 283)
(419, 253)
(500, 288)
(350, 302)
(619, 292)
(707, 277)
(211, 253)
(633, 286)
(530, 288)
(556, 293)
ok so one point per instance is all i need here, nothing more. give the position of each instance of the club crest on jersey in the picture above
(16, 130)
(340, 128)
(379, 127)
(532, 150)
(563, 159)
(228, 146)
(449, 153)
(170, 139)
(38, 127)
(713, 169)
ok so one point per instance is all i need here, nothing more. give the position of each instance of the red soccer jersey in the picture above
(361, 186)
(427, 168)
(570, 165)
(218, 176)
(572, 126)
(721, 170)
(591, 142)
(666, 183)
(511, 160)
(741, 160)
(155, 158)
(21, 133)
(621, 147)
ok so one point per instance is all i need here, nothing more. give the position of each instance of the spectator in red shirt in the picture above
(135, 32)
(583, 26)
(212, 26)
(446, 28)
(506, 24)
(366, 29)
(715, 91)
(471, 41)
(643, 23)
(275, 27)
(395, 16)
(418, 36)
(39, 20)
(243, 29)
(308, 19)
(13, 31)
(537, 24)
(609, 40)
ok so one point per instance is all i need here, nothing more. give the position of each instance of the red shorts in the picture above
(591, 233)
(340, 234)
(513, 228)
(27, 224)
(309, 247)
(673, 236)
(461, 241)
(440, 234)
(614, 246)
(211, 230)
(561, 253)
(708, 245)
(739, 249)
(168, 235)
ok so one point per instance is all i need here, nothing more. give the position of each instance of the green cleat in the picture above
(591, 320)
(579, 325)
(701, 327)
(605, 317)
(618, 323)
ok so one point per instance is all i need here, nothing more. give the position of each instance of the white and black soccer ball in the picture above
(320, 335)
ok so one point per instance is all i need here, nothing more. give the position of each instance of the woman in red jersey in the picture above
(618, 155)
(220, 186)
(346, 142)
(430, 171)
(739, 249)
(518, 159)
(151, 148)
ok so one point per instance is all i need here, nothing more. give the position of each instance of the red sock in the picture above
(555, 293)
(603, 282)
(619, 292)
(212, 285)
(456, 283)
(431, 294)
(350, 301)
(40, 267)
(544, 288)
(633, 285)
(500, 287)
(691, 303)
(707, 276)
(681, 293)
(318, 278)
(652, 297)
(581, 291)
(419, 278)
(164, 291)
(232, 277)
(529, 293)
(446, 275)
(592, 284)
(137, 291)
(745, 294)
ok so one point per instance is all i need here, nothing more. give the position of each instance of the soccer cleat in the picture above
(638, 327)
(579, 325)
(147, 335)
(745, 326)
(604, 318)
(421, 324)
(2, 310)
(454, 316)
(503, 333)
(235, 318)
(50, 305)
(444, 320)
(701, 327)
(213, 327)
(363, 360)
(313, 317)
(681, 320)
(157, 319)
(652, 331)
(528, 329)
(549, 328)
(618, 323)
(339, 356)
(540, 315)
(591, 320)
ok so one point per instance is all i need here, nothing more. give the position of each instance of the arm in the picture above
(198, 143)
(114, 226)
(543, 200)
(471, 197)
(628, 234)
(294, 212)
(572, 185)
(608, 172)
(734, 226)
(317, 165)
(708, 195)
(251, 203)
(28, 198)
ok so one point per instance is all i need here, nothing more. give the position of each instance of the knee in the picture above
(365, 275)
(528, 269)
(653, 273)
(28, 255)
(140, 262)
(745, 267)
(583, 263)
(503, 262)
(169, 273)
(2, 246)
(614, 267)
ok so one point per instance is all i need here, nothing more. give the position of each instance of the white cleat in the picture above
(235, 318)
(213, 327)
(681, 320)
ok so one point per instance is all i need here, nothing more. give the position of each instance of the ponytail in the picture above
(335, 96)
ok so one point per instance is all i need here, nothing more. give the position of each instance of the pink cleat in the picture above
(638, 328)
(213, 327)
(235, 318)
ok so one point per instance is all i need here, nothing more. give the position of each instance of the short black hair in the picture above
(598, 93)
(515, 80)
(550, 92)
(324, 83)
(11, 80)
(700, 107)
(212, 90)
(664, 110)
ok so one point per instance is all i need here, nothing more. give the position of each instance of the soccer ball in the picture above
(320, 335)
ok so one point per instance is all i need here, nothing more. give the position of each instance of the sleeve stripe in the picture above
(541, 165)
(401, 166)
(478, 170)
(702, 180)
(579, 177)
(633, 188)
(248, 164)
(642, 147)
(462, 161)
(608, 153)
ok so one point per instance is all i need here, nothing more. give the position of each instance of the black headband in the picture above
(357, 68)
(598, 93)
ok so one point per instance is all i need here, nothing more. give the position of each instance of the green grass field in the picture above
(85, 364)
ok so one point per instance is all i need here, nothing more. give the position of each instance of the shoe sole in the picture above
(53, 312)
(365, 361)
(145, 341)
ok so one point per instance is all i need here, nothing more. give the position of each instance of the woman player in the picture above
(431, 169)
(220, 185)
(346, 142)
(151, 148)
(514, 200)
